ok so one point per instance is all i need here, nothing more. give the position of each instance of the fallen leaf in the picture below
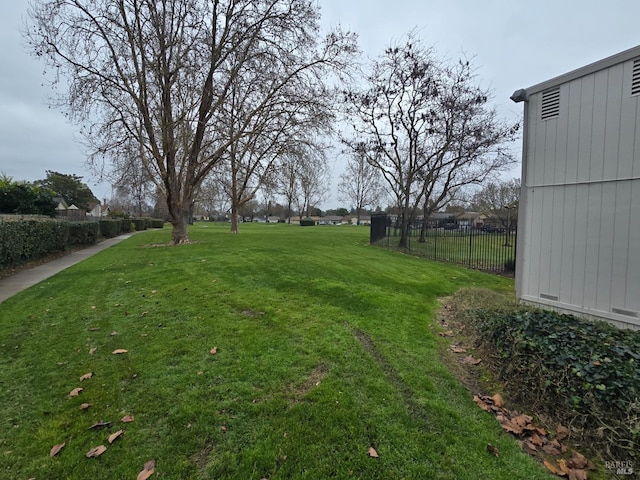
(84, 406)
(562, 432)
(56, 449)
(144, 314)
(96, 451)
(75, 392)
(578, 475)
(119, 351)
(113, 334)
(127, 419)
(223, 428)
(113, 436)
(147, 471)
(448, 333)
(536, 440)
(99, 424)
(92, 350)
(562, 466)
(551, 450)
(469, 360)
(493, 449)
(213, 351)
(94, 329)
(86, 376)
(481, 403)
(93, 307)
(154, 291)
(510, 426)
(551, 467)
(457, 349)
(497, 400)
(578, 461)
(372, 452)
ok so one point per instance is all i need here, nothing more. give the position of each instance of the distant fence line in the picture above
(483, 248)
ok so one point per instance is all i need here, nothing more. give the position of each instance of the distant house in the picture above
(579, 212)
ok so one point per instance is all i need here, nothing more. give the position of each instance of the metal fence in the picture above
(486, 248)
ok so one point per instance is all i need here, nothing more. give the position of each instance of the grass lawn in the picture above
(325, 348)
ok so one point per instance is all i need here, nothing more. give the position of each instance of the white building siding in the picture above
(580, 205)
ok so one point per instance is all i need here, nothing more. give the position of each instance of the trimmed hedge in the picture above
(157, 223)
(83, 233)
(307, 222)
(109, 228)
(25, 240)
(140, 223)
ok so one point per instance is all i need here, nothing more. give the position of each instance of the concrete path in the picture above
(13, 284)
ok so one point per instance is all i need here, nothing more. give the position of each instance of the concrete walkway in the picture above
(13, 284)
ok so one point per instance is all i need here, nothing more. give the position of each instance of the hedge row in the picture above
(22, 241)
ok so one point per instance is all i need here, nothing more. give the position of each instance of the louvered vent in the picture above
(635, 79)
(550, 104)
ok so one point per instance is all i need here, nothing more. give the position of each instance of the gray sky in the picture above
(514, 43)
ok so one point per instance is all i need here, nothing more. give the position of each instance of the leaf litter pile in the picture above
(547, 445)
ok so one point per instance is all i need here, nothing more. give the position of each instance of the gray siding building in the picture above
(579, 218)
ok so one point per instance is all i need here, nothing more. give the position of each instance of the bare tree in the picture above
(159, 72)
(360, 184)
(499, 201)
(426, 127)
(313, 178)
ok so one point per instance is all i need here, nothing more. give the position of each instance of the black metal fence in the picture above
(488, 248)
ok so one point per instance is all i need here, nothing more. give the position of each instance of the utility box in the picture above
(579, 213)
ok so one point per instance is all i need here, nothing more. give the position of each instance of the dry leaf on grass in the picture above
(113, 436)
(127, 419)
(551, 467)
(56, 449)
(99, 424)
(493, 449)
(86, 376)
(92, 350)
(497, 400)
(213, 351)
(96, 451)
(147, 471)
(84, 406)
(119, 351)
(372, 452)
(448, 333)
(469, 360)
(457, 349)
(75, 392)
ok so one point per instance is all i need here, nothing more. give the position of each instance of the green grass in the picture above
(325, 348)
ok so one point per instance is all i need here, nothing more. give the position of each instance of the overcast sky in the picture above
(514, 43)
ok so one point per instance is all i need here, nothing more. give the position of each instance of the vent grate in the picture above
(550, 104)
(635, 78)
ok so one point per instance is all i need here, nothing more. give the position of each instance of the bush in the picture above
(584, 373)
(140, 223)
(125, 225)
(83, 233)
(25, 240)
(307, 222)
(109, 228)
(157, 223)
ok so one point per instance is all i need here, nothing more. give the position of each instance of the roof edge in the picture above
(586, 70)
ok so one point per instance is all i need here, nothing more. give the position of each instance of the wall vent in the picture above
(627, 313)
(550, 104)
(635, 78)
(546, 296)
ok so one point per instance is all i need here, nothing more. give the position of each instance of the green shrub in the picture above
(307, 222)
(83, 233)
(584, 373)
(25, 240)
(157, 223)
(109, 228)
(140, 223)
(126, 225)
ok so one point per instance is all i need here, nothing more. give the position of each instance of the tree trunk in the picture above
(234, 218)
(180, 234)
